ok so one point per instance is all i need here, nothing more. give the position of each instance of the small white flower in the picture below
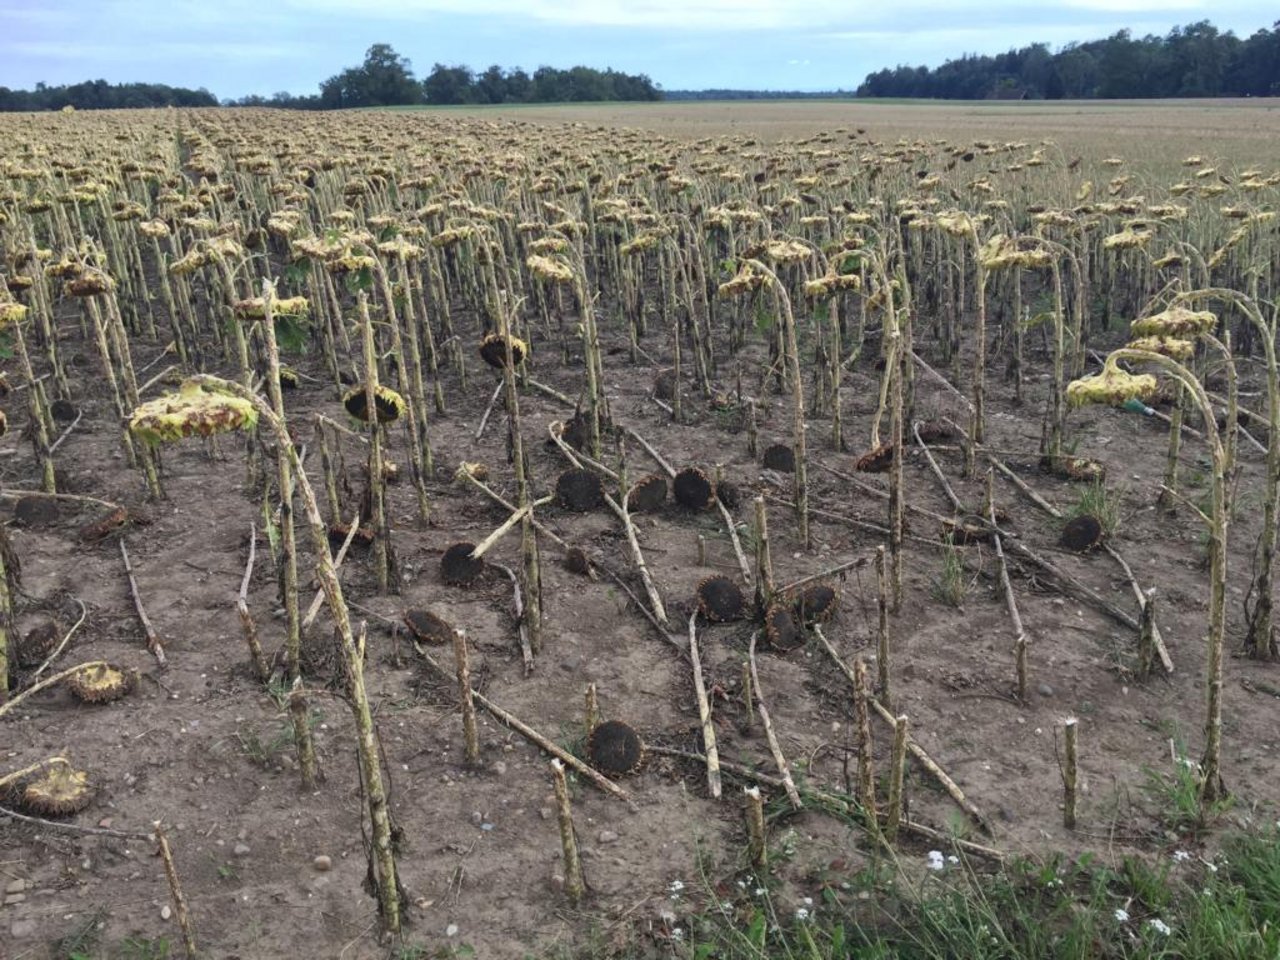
(1159, 926)
(676, 886)
(677, 933)
(802, 914)
(1122, 916)
(1181, 856)
(1213, 867)
(807, 901)
(934, 860)
(759, 891)
(952, 859)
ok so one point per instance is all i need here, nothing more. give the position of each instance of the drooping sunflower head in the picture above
(193, 411)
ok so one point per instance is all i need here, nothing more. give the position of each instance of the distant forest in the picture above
(1197, 60)
(1192, 61)
(100, 95)
(384, 79)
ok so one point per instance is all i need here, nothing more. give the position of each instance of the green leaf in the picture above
(361, 279)
(291, 334)
(764, 320)
(297, 272)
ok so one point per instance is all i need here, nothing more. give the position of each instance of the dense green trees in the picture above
(384, 79)
(1197, 60)
(458, 84)
(100, 95)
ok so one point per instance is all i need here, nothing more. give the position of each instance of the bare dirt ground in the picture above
(1219, 126)
(203, 748)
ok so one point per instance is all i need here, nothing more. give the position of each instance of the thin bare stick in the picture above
(822, 574)
(843, 804)
(246, 618)
(1027, 492)
(704, 711)
(484, 420)
(175, 890)
(526, 731)
(897, 772)
(551, 392)
(788, 784)
(65, 433)
(1011, 602)
(573, 883)
(526, 651)
(1163, 652)
(485, 545)
(153, 638)
(942, 380)
(649, 449)
(329, 421)
(14, 494)
(47, 682)
(916, 750)
(937, 470)
(465, 475)
(72, 827)
(1070, 773)
(648, 615)
(317, 601)
(471, 734)
(57, 652)
(577, 457)
(156, 379)
(755, 827)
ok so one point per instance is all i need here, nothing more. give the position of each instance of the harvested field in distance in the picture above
(670, 421)
(1146, 125)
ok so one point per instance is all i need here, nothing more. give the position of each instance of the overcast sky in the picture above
(237, 47)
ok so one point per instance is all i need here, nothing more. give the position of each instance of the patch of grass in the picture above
(136, 948)
(1174, 906)
(1177, 793)
(950, 586)
(79, 944)
(1096, 501)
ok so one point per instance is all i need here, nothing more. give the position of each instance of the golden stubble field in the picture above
(751, 308)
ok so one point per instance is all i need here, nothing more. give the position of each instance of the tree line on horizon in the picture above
(386, 79)
(1197, 60)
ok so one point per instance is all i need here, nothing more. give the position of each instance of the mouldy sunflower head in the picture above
(11, 313)
(745, 281)
(786, 251)
(255, 307)
(549, 269)
(1127, 239)
(153, 228)
(1112, 386)
(189, 263)
(1177, 322)
(60, 791)
(193, 411)
(1171, 347)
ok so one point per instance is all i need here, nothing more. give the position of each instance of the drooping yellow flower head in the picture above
(1112, 386)
(1176, 322)
(192, 412)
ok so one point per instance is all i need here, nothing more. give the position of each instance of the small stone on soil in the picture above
(608, 836)
(322, 863)
(1045, 690)
(240, 850)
